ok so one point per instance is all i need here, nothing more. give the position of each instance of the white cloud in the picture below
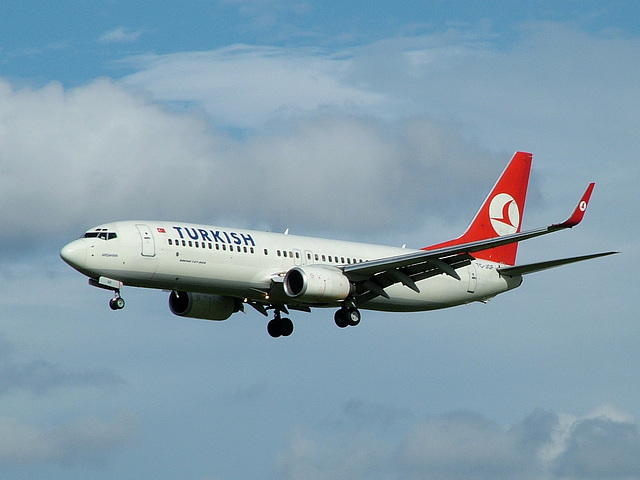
(120, 35)
(466, 445)
(100, 152)
(71, 157)
(566, 95)
(555, 89)
(348, 131)
(245, 86)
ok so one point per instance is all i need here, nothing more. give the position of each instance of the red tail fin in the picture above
(501, 213)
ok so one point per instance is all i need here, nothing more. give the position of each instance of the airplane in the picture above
(212, 272)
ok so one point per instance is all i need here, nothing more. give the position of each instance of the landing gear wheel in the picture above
(286, 327)
(341, 318)
(116, 303)
(353, 316)
(273, 328)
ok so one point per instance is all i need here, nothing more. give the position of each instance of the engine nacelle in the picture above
(316, 283)
(199, 305)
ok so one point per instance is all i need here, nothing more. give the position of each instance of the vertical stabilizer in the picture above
(501, 213)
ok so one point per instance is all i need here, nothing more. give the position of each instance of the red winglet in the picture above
(578, 213)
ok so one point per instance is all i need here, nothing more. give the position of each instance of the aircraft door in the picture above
(473, 278)
(148, 243)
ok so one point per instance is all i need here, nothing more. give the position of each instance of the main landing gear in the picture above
(279, 327)
(283, 327)
(347, 317)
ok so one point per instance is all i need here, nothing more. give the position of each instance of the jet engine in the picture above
(315, 283)
(199, 305)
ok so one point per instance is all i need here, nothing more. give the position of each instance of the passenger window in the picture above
(266, 252)
(170, 242)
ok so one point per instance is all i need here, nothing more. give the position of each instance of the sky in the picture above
(382, 122)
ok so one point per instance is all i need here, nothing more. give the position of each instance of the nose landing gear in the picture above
(117, 302)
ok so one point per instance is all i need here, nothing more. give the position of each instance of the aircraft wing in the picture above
(372, 277)
(537, 267)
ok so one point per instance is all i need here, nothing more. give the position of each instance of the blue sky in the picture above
(383, 122)
(79, 41)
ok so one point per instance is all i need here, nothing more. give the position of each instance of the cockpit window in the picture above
(101, 233)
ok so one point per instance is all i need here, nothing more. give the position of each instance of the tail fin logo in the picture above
(504, 214)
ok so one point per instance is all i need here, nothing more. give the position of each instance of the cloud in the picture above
(541, 71)
(101, 152)
(120, 35)
(546, 84)
(566, 94)
(69, 157)
(86, 441)
(466, 445)
(319, 132)
(245, 86)
(40, 376)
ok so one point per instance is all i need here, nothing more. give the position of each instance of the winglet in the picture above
(578, 213)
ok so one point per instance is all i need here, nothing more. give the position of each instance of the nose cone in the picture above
(75, 253)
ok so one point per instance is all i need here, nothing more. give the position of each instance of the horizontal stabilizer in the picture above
(537, 267)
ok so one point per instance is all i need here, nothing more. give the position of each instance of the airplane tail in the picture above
(501, 213)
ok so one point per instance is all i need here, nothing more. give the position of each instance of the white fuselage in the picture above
(245, 264)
